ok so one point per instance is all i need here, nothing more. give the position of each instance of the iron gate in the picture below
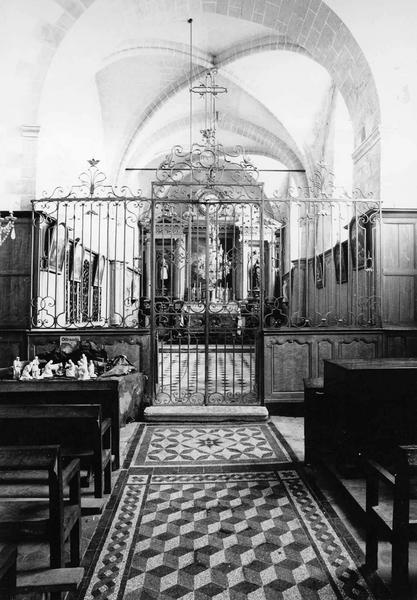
(202, 266)
(206, 314)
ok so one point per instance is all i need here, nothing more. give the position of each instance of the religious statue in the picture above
(255, 274)
(83, 368)
(91, 370)
(26, 372)
(47, 371)
(70, 369)
(164, 270)
(36, 372)
(17, 368)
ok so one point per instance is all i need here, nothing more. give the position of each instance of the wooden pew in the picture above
(313, 418)
(8, 557)
(30, 518)
(52, 581)
(66, 391)
(78, 429)
(393, 516)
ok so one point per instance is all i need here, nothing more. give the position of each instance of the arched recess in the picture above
(310, 27)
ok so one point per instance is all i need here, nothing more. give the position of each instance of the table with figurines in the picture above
(27, 370)
(119, 390)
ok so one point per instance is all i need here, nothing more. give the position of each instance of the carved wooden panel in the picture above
(325, 349)
(358, 348)
(401, 344)
(290, 362)
(15, 257)
(399, 270)
(292, 356)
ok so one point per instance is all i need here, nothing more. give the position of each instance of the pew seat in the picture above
(54, 520)
(78, 429)
(8, 558)
(50, 580)
(391, 511)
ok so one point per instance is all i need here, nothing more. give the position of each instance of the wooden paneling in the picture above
(399, 239)
(15, 275)
(290, 362)
(291, 356)
(324, 350)
(12, 344)
(400, 343)
(356, 348)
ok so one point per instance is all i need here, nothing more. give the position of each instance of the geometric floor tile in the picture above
(230, 371)
(253, 535)
(204, 444)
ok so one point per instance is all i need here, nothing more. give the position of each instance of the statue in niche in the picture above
(255, 273)
(163, 270)
(163, 274)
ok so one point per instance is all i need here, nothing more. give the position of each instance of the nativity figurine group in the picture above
(83, 370)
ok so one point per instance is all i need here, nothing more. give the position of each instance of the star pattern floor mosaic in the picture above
(202, 444)
(243, 535)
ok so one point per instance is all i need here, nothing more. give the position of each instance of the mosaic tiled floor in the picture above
(253, 535)
(228, 372)
(202, 444)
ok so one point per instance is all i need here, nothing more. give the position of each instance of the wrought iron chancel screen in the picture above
(203, 267)
(293, 262)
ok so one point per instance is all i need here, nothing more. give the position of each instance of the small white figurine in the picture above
(70, 369)
(47, 371)
(91, 370)
(82, 371)
(26, 372)
(83, 368)
(36, 372)
(58, 368)
(17, 368)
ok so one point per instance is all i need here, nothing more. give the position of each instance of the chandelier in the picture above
(7, 227)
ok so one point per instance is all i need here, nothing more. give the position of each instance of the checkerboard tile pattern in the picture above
(255, 535)
(231, 374)
(210, 445)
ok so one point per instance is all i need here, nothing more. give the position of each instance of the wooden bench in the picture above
(52, 581)
(313, 408)
(78, 429)
(393, 514)
(8, 558)
(29, 518)
(104, 392)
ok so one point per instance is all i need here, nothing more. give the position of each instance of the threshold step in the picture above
(206, 413)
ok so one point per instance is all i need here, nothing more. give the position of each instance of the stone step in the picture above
(206, 413)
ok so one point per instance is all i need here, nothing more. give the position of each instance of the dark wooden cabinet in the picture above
(371, 406)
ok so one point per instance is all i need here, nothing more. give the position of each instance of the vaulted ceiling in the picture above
(117, 88)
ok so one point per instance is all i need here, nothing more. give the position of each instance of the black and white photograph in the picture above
(208, 315)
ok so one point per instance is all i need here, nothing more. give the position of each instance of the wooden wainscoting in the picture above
(290, 356)
(15, 275)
